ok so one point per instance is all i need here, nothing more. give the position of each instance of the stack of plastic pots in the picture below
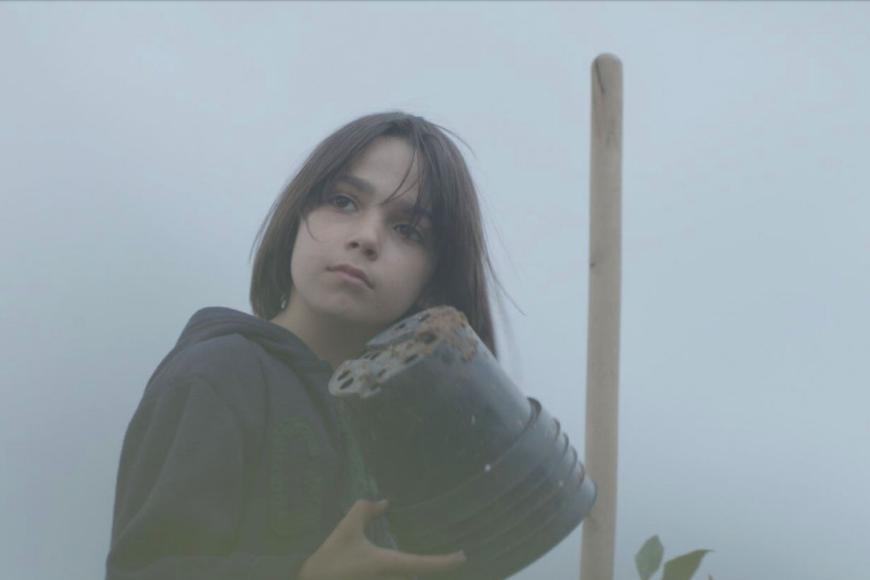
(466, 460)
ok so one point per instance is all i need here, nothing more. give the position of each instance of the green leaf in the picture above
(649, 557)
(684, 567)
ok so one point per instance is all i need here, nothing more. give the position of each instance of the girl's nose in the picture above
(368, 249)
(367, 237)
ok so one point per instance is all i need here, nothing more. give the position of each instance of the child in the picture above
(236, 464)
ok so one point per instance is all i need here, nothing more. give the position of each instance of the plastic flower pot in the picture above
(465, 458)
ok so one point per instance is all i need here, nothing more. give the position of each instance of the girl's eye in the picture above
(417, 236)
(338, 196)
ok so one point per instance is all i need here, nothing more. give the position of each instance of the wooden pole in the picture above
(602, 362)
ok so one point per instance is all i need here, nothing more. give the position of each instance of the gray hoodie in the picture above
(235, 464)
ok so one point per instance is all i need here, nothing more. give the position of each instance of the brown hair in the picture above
(446, 189)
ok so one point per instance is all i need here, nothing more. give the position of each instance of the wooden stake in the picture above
(602, 362)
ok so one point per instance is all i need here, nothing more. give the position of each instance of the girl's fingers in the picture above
(394, 562)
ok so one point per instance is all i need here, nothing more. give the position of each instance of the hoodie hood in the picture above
(215, 321)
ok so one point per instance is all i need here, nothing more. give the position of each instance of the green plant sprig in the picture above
(649, 558)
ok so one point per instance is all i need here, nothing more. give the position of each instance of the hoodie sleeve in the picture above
(180, 493)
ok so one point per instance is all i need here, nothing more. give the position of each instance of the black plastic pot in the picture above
(466, 460)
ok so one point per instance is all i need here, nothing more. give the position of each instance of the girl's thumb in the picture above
(377, 508)
(369, 510)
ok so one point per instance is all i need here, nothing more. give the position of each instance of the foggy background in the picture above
(141, 146)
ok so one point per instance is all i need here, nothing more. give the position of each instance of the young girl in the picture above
(236, 464)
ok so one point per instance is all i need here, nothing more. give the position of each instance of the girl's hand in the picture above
(347, 554)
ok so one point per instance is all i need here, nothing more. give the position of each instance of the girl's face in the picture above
(351, 227)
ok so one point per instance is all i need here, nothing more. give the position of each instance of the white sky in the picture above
(142, 145)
